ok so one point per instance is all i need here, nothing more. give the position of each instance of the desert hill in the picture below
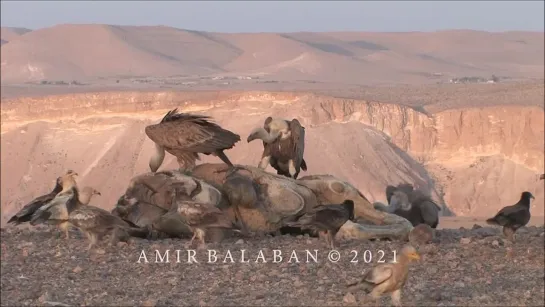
(475, 160)
(90, 52)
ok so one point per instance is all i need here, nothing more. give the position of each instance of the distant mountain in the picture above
(83, 52)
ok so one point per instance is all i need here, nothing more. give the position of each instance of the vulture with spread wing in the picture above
(513, 217)
(57, 210)
(326, 220)
(185, 136)
(199, 217)
(388, 277)
(26, 212)
(283, 146)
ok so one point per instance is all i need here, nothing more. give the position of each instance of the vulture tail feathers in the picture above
(304, 165)
(497, 220)
(223, 157)
(40, 218)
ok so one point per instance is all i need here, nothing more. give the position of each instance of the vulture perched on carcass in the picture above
(283, 146)
(185, 136)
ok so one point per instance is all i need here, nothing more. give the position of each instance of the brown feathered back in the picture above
(190, 133)
(203, 215)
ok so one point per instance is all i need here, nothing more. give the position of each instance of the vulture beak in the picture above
(97, 193)
(414, 256)
(250, 138)
(532, 196)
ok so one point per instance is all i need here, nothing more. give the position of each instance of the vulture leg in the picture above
(223, 157)
(396, 298)
(291, 166)
(200, 235)
(64, 226)
(332, 241)
(188, 244)
(93, 241)
(509, 233)
(264, 162)
(238, 216)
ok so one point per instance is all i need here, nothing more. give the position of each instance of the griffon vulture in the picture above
(56, 212)
(513, 217)
(26, 212)
(199, 217)
(96, 222)
(388, 277)
(326, 219)
(283, 145)
(185, 136)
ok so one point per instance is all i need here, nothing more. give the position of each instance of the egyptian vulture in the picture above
(513, 217)
(26, 212)
(56, 212)
(388, 277)
(185, 136)
(283, 146)
(326, 220)
(199, 217)
(96, 222)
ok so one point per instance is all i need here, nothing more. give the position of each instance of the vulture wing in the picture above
(91, 217)
(190, 132)
(25, 214)
(298, 138)
(379, 274)
(56, 209)
(203, 215)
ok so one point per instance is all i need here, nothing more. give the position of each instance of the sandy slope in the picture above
(464, 157)
(85, 52)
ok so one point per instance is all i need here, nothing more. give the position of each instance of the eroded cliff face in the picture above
(475, 160)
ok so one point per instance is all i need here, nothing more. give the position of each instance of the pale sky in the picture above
(283, 16)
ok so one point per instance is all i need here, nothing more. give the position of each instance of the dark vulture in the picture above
(199, 217)
(387, 278)
(283, 146)
(185, 136)
(26, 212)
(326, 220)
(542, 176)
(96, 222)
(412, 204)
(513, 217)
(57, 210)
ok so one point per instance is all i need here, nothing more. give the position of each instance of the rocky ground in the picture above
(462, 267)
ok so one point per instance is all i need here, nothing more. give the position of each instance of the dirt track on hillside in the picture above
(39, 268)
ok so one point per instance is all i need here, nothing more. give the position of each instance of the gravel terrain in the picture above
(462, 267)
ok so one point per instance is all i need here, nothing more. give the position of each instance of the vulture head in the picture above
(410, 252)
(276, 126)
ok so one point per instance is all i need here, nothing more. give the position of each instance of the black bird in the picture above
(24, 215)
(326, 219)
(513, 217)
